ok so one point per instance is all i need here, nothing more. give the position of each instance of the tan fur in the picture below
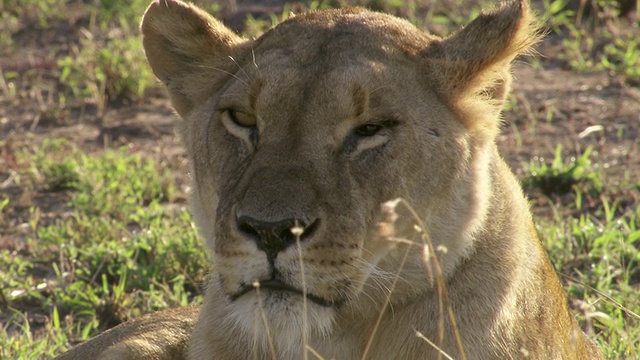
(276, 130)
(163, 335)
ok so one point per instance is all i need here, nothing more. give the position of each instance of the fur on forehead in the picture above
(325, 30)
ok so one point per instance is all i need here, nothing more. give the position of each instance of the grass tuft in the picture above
(562, 176)
(121, 250)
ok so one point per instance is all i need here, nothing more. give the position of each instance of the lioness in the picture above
(295, 141)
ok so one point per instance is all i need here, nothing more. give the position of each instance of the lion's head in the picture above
(296, 139)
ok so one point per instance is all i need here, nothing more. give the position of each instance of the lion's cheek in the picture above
(239, 271)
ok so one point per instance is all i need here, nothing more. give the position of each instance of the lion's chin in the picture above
(282, 315)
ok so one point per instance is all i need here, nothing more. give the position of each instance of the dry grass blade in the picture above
(431, 258)
(441, 352)
(385, 305)
(265, 323)
(297, 231)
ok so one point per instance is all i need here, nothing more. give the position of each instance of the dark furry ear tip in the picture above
(167, 4)
(519, 6)
(160, 6)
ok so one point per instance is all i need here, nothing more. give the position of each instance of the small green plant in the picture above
(51, 170)
(561, 177)
(555, 12)
(118, 13)
(8, 24)
(254, 27)
(62, 176)
(3, 204)
(101, 71)
(588, 47)
(622, 55)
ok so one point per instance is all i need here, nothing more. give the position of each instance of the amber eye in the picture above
(367, 130)
(242, 119)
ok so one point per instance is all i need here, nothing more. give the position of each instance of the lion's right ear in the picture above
(183, 43)
(472, 67)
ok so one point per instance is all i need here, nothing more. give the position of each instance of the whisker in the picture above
(240, 67)
(378, 282)
(253, 57)
(378, 88)
(225, 72)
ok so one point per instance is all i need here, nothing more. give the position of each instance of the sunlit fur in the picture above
(262, 317)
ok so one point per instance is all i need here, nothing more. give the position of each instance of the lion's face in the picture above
(316, 140)
(298, 137)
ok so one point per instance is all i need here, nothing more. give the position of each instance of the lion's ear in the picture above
(182, 44)
(474, 63)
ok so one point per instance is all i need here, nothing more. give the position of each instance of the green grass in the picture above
(561, 177)
(598, 252)
(119, 252)
(590, 44)
(105, 64)
(593, 240)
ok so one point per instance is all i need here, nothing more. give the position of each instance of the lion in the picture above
(296, 138)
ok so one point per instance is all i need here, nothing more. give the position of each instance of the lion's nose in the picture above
(274, 236)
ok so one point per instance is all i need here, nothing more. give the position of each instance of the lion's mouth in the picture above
(277, 285)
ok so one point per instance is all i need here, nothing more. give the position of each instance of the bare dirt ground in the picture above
(551, 105)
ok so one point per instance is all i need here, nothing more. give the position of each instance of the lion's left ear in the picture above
(472, 66)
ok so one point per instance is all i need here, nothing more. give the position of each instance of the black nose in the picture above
(274, 236)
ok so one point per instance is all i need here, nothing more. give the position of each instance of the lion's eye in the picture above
(367, 130)
(242, 119)
(241, 125)
(372, 129)
(370, 135)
